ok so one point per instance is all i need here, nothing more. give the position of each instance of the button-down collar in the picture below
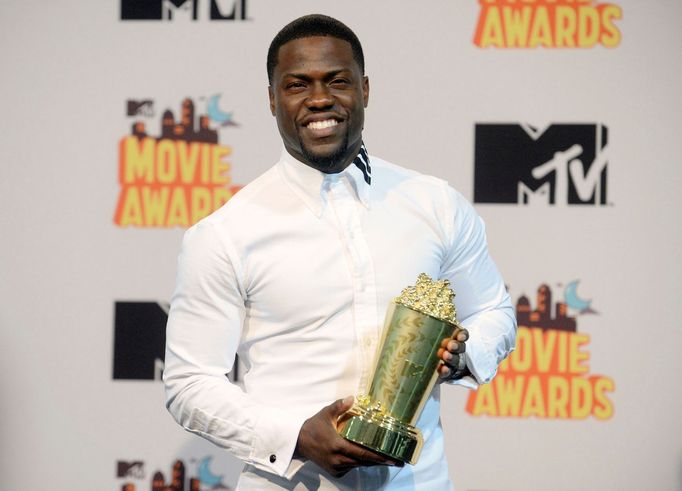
(309, 184)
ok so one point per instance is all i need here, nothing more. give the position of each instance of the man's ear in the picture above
(365, 90)
(271, 96)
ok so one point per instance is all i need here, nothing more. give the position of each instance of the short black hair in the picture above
(310, 26)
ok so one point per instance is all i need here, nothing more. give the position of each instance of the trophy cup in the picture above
(405, 372)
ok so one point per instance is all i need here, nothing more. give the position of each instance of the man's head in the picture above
(318, 91)
(311, 26)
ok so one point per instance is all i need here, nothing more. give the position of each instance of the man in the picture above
(294, 274)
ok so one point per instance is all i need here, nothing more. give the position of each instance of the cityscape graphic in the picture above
(183, 129)
(541, 317)
(180, 482)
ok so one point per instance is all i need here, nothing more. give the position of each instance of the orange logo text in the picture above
(548, 375)
(167, 183)
(547, 23)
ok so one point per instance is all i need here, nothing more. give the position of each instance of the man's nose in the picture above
(320, 97)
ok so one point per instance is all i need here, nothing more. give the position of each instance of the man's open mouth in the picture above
(320, 125)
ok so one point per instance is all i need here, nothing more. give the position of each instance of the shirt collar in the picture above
(309, 184)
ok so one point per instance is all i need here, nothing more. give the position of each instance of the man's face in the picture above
(318, 95)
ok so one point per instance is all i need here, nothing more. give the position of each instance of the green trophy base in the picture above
(372, 428)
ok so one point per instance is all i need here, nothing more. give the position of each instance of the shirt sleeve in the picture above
(202, 336)
(483, 305)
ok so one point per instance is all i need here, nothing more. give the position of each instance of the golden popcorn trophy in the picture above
(405, 372)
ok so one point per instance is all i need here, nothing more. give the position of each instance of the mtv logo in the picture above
(158, 9)
(134, 470)
(143, 108)
(529, 196)
(563, 164)
(140, 342)
(183, 9)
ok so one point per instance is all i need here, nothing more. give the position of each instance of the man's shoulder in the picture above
(391, 174)
(233, 217)
(256, 190)
(414, 186)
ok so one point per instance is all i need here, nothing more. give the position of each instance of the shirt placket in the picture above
(348, 211)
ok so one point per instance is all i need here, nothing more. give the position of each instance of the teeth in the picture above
(319, 125)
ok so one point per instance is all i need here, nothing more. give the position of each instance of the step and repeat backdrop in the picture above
(127, 121)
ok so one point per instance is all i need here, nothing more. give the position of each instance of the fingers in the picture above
(363, 456)
(319, 441)
(461, 334)
(450, 350)
(353, 454)
(450, 364)
(456, 344)
(345, 455)
(444, 371)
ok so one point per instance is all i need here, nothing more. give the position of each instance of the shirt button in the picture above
(273, 457)
(368, 342)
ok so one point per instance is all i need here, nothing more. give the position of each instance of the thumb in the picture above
(339, 407)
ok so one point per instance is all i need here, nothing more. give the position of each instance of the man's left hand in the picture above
(452, 353)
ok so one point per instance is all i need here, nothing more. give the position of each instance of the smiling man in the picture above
(294, 274)
(318, 93)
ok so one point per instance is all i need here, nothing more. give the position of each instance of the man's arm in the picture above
(483, 305)
(202, 336)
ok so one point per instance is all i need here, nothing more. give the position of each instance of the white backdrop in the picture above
(69, 68)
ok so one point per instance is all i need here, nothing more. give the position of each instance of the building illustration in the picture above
(185, 128)
(543, 317)
(179, 482)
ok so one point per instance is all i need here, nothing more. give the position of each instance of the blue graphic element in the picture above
(205, 474)
(216, 114)
(574, 301)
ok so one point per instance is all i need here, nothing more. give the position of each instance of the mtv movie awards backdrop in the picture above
(178, 177)
(128, 121)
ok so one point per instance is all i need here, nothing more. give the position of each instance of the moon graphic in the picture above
(216, 114)
(205, 474)
(574, 301)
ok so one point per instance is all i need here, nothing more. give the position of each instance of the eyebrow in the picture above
(306, 77)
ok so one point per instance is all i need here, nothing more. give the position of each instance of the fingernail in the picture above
(349, 400)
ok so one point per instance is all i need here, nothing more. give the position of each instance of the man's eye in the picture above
(295, 85)
(340, 81)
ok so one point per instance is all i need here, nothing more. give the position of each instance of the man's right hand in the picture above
(318, 441)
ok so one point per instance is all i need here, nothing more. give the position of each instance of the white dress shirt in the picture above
(294, 274)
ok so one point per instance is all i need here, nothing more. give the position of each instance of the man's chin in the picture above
(325, 160)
